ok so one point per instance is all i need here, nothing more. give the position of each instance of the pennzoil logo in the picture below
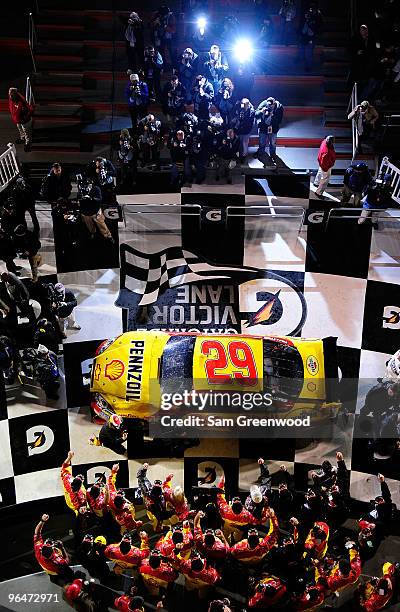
(312, 365)
(135, 370)
(114, 370)
(39, 439)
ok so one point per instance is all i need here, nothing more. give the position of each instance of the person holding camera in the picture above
(187, 69)
(242, 122)
(379, 196)
(134, 41)
(202, 96)
(287, 14)
(200, 151)
(137, 94)
(24, 200)
(227, 154)
(150, 140)
(365, 116)
(215, 67)
(152, 68)
(90, 200)
(63, 304)
(101, 172)
(310, 29)
(27, 243)
(127, 160)
(269, 115)
(163, 33)
(56, 186)
(225, 101)
(173, 98)
(180, 147)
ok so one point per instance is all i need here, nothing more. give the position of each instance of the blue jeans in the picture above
(267, 139)
(176, 172)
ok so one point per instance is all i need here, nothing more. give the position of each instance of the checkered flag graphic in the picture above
(149, 275)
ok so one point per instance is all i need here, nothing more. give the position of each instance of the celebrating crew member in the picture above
(156, 573)
(212, 544)
(316, 543)
(178, 535)
(253, 549)
(74, 489)
(51, 555)
(267, 593)
(234, 515)
(125, 555)
(97, 497)
(122, 510)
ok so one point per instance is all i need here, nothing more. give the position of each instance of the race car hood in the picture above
(126, 372)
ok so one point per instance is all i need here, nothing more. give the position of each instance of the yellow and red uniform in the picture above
(338, 581)
(206, 577)
(304, 603)
(181, 506)
(122, 603)
(131, 559)
(98, 505)
(156, 578)
(261, 600)
(219, 550)
(242, 551)
(231, 520)
(55, 564)
(75, 500)
(166, 546)
(317, 546)
(125, 516)
(377, 596)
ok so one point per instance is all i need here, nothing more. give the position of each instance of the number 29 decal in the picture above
(224, 364)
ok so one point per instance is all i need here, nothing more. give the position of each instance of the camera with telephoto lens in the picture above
(84, 187)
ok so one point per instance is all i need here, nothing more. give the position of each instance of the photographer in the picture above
(187, 122)
(200, 152)
(127, 160)
(215, 67)
(134, 41)
(365, 116)
(137, 94)
(379, 196)
(90, 200)
(41, 364)
(202, 95)
(24, 200)
(16, 296)
(45, 333)
(112, 435)
(310, 29)
(27, 244)
(269, 115)
(56, 186)
(163, 33)
(287, 13)
(225, 101)
(242, 122)
(102, 172)
(179, 146)
(152, 68)
(187, 69)
(63, 305)
(150, 140)
(173, 98)
(227, 154)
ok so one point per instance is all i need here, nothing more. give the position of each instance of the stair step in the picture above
(52, 108)
(59, 78)
(63, 31)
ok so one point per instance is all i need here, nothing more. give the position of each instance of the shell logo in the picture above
(114, 370)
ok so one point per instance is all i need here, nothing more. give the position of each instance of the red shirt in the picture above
(260, 601)
(303, 603)
(242, 551)
(21, 111)
(132, 558)
(125, 516)
(72, 591)
(123, 603)
(337, 581)
(318, 547)
(74, 499)
(54, 564)
(206, 577)
(326, 156)
(166, 545)
(218, 550)
(235, 520)
(98, 505)
(160, 577)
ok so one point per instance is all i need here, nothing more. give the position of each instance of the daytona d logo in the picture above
(391, 317)
(39, 439)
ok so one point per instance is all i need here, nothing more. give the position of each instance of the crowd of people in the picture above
(273, 546)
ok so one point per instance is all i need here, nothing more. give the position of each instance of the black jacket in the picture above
(269, 118)
(90, 206)
(55, 187)
(243, 120)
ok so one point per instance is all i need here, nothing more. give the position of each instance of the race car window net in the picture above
(283, 369)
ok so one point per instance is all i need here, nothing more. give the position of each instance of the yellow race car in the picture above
(131, 372)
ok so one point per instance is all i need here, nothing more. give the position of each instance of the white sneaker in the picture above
(74, 326)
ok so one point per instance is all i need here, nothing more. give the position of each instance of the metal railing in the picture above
(30, 98)
(337, 214)
(8, 166)
(387, 168)
(353, 102)
(32, 39)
